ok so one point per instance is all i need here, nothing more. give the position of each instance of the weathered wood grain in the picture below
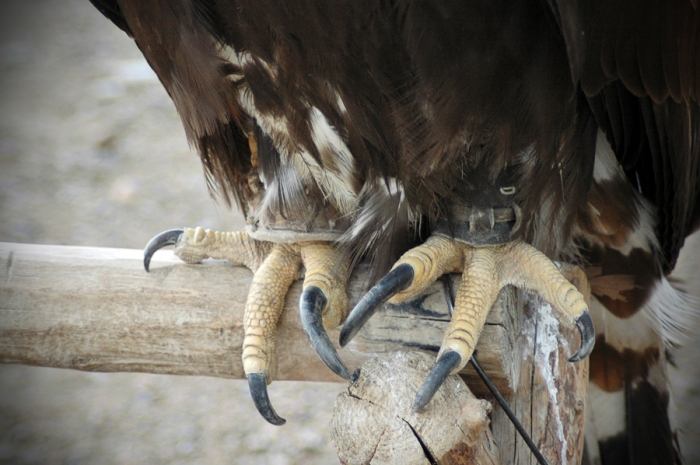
(96, 309)
(373, 421)
(551, 397)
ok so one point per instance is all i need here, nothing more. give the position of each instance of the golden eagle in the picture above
(482, 136)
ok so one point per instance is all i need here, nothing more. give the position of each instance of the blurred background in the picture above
(92, 153)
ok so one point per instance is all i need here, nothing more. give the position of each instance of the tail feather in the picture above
(639, 316)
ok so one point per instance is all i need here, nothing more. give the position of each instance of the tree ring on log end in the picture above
(373, 420)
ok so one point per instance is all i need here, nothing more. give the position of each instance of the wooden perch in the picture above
(374, 422)
(96, 309)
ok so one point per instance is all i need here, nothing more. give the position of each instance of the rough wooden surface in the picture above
(373, 422)
(551, 397)
(421, 324)
(96, 309)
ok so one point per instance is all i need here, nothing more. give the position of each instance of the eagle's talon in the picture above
(486, 270)
(257, 383)
(585, 327)
(170, 237)
(396, 281)
(447, 362)
(311, 304)
(275, 267)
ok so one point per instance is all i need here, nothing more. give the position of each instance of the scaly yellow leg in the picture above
(486, 270)
(324, 301)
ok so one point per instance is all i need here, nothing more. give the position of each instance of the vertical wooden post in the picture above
(373, 421)
(551, 397)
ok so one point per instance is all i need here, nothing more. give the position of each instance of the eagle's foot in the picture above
(324, 301)
(194, 245)
(486, 270)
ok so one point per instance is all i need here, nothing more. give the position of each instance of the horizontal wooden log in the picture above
(96, 309)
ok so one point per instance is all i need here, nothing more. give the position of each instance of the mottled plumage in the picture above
(371, 120)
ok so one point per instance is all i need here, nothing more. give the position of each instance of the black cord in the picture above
(449, 297)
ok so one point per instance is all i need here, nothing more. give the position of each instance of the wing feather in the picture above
(652, 46)
(639, 65)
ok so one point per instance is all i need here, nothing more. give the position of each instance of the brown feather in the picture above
(375, 117)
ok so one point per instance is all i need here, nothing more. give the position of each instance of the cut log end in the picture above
(373, 421)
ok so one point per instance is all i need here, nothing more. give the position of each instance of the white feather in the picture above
(607, 410)
(336, 184)
(634, 333)
(606, 167)
(673, 312)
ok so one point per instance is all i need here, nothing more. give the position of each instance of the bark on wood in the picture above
(373, 422)
(96, 309)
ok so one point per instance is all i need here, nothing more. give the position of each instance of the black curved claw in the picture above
(169, 237)
(396, 281)
(585, 327)
(257, 383)
(445, 364)
(311, 304)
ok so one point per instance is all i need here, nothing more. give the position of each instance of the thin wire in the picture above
(447, 284)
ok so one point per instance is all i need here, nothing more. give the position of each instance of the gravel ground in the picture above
(92, 153)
